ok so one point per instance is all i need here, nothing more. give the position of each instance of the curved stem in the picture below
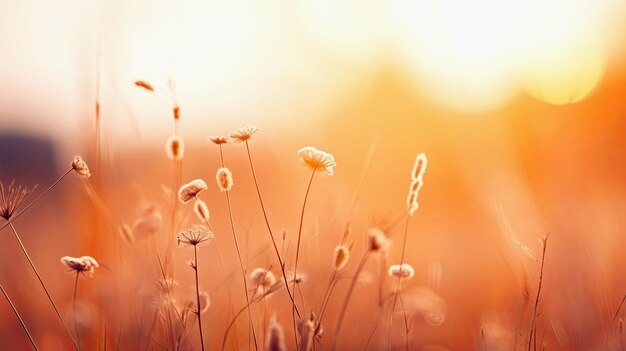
(32, 341)
(395, 299)
(243, 270)
(199, 309)
(32, 265)
(344, 308)
(17, 215)
(267, 223)
(295, 268)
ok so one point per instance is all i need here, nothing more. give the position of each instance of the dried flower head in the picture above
(262, 278)
(12, 198)
(194, 236)
(224, 179)
(377, 240)
(307, 333)
(84, 264)
(275, 336)
(317, 160)
(342, 255)
(403, 271)
(243, 134)
(218, 140)
(201, 210)
(175, 148)
(189, 191)
(142, 84)
(80, 167)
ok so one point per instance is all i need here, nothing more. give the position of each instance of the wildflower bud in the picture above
(190, 190)
(342, 255)
(403, 271)
(201, 210)
(224, 179)
(275, 337)
(142, 84)
(377, 240)
(175, 148)
(80, 167)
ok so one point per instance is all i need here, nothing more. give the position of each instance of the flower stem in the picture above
(243, 270)
(199, 309)
(74, 309)
(344, 307)
(32, 341)
(295, 268)
(32, 265)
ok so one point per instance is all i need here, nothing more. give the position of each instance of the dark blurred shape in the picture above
(29, 159)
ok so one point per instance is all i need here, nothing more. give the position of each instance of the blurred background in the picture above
(518, 104)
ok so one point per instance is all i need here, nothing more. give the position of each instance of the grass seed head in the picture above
(175, 148)
(224, 179)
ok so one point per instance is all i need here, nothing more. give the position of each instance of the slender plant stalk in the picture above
(17, 215)
(295, 268)
(32, 341)
(533, 326)
(398, 282)
(267, 223)
(243, 270)
(346, 300)
(32, 265)
(74, 309)
(199, 310)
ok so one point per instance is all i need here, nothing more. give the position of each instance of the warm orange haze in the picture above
(312, 175)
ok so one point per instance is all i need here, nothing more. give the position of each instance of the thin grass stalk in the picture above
(243, 270)
(74, 309)
(267, 223)
(6, 296)
(18, 214)
(43, 285)
(533, 327)
(346, 300)
(295, 268)
(198, 312)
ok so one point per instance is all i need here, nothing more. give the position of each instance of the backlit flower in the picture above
(317, 160)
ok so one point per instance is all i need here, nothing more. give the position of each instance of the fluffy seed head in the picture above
(317, 160)
(377, 240)
(80, 167)
(148, 224)
(84, 264)
(175, 148)
(262, 278)
(218, 140)
(189, 191)
(205, 301)
(224, 179)
(12, 198)
(342, 255)
(243, 134)
(419, 167)
(194, 236)
(275, 336)
(201, 210)
(404, 271)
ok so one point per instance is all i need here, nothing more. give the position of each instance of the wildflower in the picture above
(377, 240)
(403, 271)
(317, 160)
(80, 167)
(342, 255)
(194, 236)
(218, 140)
(175, 148)
(262, 278)
(189, 191)
(12, 198)
(243, 134)
(275, 336)
(224, 179)
(142, 84)
(201, 210)
(84, 264)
